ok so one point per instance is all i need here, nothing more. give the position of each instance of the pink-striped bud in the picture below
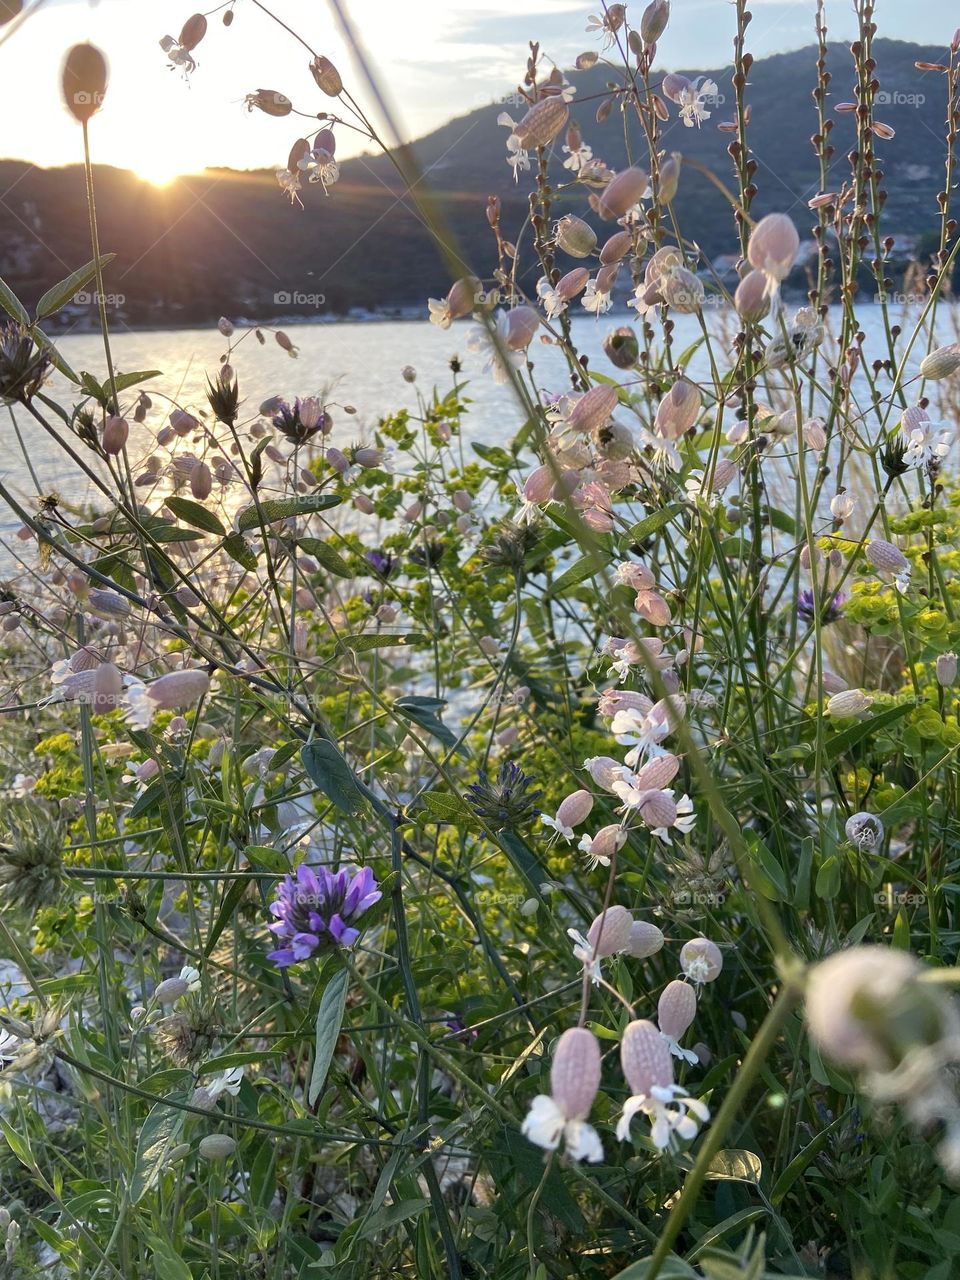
(462, 297)
(751, 299)
(814, 435)
(616, 248)
(677, 1009)
(542, 123)
(645, 940)
(576, 237)
(700, 960)
(947, 669)
(941, 363)
(653, 21)
(620, 194)
(886, 557)
(538, 486)
(575, 808)
(645, 1057)
(610, 932)
(522, 325)
(575, 1072)
(774, 245)
(669, 178)
(183, 423)
(572, 283)
(107, 688)
(657, 773)
(592, 411)
(115, 434)
(657, 809)
(178, 689)
(608, 841)
(678, 410)
(605, 771)
(201, 481)
(107, 604)
(462, 500)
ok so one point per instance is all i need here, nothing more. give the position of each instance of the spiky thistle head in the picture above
(507, 801)
(31, 860)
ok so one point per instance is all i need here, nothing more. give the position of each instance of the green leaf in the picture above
(448, 808)
(160, 1133)
(424, 712)
(167, 1265)
(239, 549)
(586, 567)
(524, 860)
(12, 305)
(391, 1216)
(61, 293)
(840, 743)
(329, 559)
(652, 523)
(328, 770)
(364, 643)
(126, 380)
(673, 1268)
(266, 858)
(18, 1144)
(828, 879)
(329, 1020)
(193, 513)
(231, 900)
(734, 1164)
(284, 508)
(767, 874)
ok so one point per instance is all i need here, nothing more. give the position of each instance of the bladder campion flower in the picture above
(648, 1066)
(561, 1114)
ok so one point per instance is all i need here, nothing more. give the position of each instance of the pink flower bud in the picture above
(701, 960)
(678, 410)
(572, 283)
(620, 194)
(677, 1009)
(522, 325)
(645, 1057)
(774, 245)
(657, 773)
(201, 481)
(364, 504)
(645, 940)
(610, 932)
(575, 1072)
(605, 771)
(107, 688)
(947, 669)
(462, 500)
(653, 21)
(178, 689)
(542, 123)
(616, 248)
(751, 299)
(885, 556)
(657, 809)
(575, 808)
(115, 434)
(538, 486)
(592, 411)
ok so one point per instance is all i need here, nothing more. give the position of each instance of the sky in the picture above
(437, 59)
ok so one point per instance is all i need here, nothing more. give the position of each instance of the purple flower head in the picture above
(830, 611)
(380, 562)
(297, 423)
(315, 908)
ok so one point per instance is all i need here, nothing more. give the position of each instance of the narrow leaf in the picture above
(329, 1020)
(61, 293)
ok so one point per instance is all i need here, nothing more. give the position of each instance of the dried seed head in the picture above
(645, 1057)
(645, 940)
(327, 77)
(701, 960)
(575, 1072)
(864, 831)
(620, 194)
(677, 1009)
(84, 81)
(576, 237)
(610, 931)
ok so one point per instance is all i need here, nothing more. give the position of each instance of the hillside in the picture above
(227, 243)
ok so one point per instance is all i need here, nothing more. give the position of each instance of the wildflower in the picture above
(609, 22)
(946, 669)
(773, 248)
(849, 702)
(561, 1115)
(864, 830)
(645, 940)
(842, 506)
(660, 811)
(24, 367)
(595, 299)
(508, 350)
(598, 850)
(889, 559)
(573, 810)
(227, 1082)
(644, 733)
(675, 1014)
(830, 610)
(301, 420)
(924, 444)
(678, 411)
(701, 960)
(460, 301)
(180, 51)
(648, 1066)
(537, 128)
(608, 935)
(314, 910)
(690, 97)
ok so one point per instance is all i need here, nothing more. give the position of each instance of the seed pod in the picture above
(645, 1057)
(610, 931)
(192, 32)
(115, 432)
(84, 81)
(576, 237)
(327, 77)
(947, 669)
(575, 808)
(542, 123)
(701, 960)
(575, 1072)
(593, 409)
(658, 809)
(616, 248)
(774, 245)
(270, 102)
(864, 831)
(620, 194)
(653, 21)
(621, 347)
(677, 1009)
(941, 363)
(751, 299)
(178, 689)
(657, 773)
(678, 410)
(645, 940)
(216, 1146)
(886, 557)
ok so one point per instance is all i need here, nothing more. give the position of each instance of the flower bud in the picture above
(700, 960)
(576, 237)
(620, 194)
(645, 940)
(850, 702)
(575, 1072)
(774, 245)
(593, 409)
(178, 689)
(621, 347)
(814, 435)
(216, 1146)
(645, 1057)
(542, 123)
(947, 669)
(885, 556)
(107, 604)
(678, 410)
(677, 1009)
(575, 808)
(115, 434)
(610, 932)
(864, 831)
(941, 363)
(669, 178)
(751, 299)
(192, 32)
(616, 248)
(604, 770)
(201, 481)
(84, 81)
(653, 21)
(326, 76)
(462, 297)
(657, 773)
(170, 990)
(522, 325)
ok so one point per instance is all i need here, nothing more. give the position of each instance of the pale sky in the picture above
(438, 59)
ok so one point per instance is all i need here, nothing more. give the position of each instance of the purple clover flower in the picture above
(315, 908)
(830, 611)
